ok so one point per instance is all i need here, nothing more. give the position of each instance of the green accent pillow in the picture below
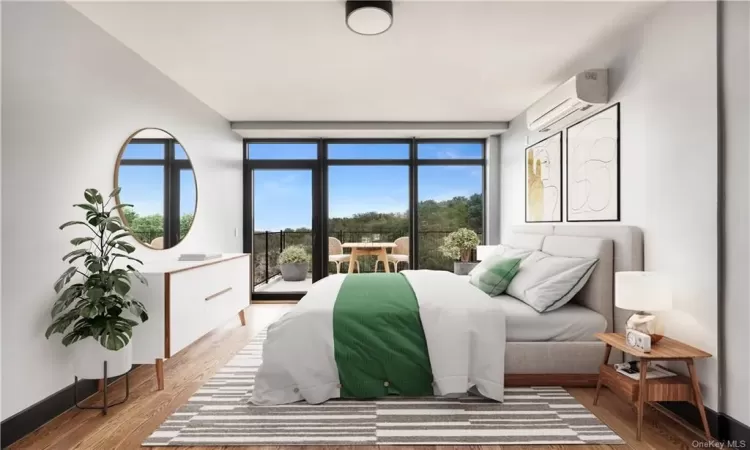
(493, 275)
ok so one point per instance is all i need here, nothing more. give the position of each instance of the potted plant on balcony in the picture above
(96, 312)
(294, 262)
(458, 246)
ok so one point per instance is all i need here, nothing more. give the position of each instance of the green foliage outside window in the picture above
(147, 228)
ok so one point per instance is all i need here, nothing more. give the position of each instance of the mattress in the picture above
(571, 322)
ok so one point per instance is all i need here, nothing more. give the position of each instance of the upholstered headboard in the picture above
(618, 247)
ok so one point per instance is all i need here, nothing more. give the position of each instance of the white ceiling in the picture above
(297, 61)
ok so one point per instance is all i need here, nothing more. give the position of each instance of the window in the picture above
(407, 193)
(282, 150)
(451, 150)
(450, 197)
(356, 150)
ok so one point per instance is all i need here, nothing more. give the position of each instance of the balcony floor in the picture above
(277, 285)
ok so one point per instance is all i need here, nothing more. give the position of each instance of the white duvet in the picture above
(464, 329)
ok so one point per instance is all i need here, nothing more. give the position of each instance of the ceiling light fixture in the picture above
(369, 17)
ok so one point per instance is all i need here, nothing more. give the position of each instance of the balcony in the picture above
(269, 244)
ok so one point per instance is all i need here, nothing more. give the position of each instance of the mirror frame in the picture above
(166, 187)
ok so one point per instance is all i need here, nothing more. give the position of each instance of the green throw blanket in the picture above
(379, 343)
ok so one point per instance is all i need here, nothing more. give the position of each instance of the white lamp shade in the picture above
(642, 291)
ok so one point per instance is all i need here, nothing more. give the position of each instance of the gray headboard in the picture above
(619, 248)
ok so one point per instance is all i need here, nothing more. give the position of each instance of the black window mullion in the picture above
(320, 210)
(413, 205)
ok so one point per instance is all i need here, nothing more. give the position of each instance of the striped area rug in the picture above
(219, 415)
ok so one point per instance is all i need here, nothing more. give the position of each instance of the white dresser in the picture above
(186, 300)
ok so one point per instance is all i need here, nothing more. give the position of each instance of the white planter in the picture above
(89, 357)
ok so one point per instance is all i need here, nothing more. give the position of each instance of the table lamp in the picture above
(645, 293)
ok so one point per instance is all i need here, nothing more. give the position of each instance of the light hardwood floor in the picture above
(126, 426)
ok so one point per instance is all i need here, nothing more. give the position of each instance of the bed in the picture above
(572, 358)
(412, 333)
(470, 340)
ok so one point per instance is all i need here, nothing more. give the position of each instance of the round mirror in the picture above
(157, 187)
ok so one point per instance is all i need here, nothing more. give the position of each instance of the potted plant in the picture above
(293, 263)
(95, 312)
(458, 246)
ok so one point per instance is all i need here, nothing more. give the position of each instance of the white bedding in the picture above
(570, 322)
(464, 329)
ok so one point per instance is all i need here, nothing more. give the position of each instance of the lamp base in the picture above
(645, 323)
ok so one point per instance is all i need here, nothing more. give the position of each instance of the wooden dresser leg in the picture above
(607, 352)
(698, 397)
(242, 317)
(642, 396)
(160, 374)
(100, 385)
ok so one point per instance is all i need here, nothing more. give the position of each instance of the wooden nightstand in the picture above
(640, 392)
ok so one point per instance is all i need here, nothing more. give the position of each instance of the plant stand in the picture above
(104, 406)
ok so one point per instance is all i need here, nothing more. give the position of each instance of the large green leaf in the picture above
(116, 191)
(137, 274)
(95, 294)
(91, 310)
(61, 324)
(76, 335)
(77, 252)
(113, 225)
(72, 222)
(66, 298)
(122, 205)
(94, 266)
(117, 236)
(87, 207)
(121, 287)
(117, 333)
(93, 196)
(138, 310)
(96, 219)
(81, 240)
(64, 278)
(89, 196)
(125, 246)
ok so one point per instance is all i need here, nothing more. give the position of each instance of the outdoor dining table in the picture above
(378, 249)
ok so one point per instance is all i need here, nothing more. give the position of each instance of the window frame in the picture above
(320, 168)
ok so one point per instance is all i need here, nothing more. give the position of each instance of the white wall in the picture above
(736, 82)
(72, 95)
(664, 75)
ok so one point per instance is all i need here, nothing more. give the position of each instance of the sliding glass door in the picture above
(392, 200)
(281, 226)
(368, 203)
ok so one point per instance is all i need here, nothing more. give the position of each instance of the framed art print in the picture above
(593, 168)
(544, 180)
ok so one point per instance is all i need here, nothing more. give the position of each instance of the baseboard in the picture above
(723, 427)
(24, 422)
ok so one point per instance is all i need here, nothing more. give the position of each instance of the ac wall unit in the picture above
(569, 101)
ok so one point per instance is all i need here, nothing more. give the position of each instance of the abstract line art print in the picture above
(593, 168)
(544, 180)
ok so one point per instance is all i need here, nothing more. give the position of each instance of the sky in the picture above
(283, 198)
(143, 186)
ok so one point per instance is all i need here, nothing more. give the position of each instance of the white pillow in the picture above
(500, 251)
(546, 282)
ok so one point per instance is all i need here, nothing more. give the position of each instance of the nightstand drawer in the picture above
(675, 388)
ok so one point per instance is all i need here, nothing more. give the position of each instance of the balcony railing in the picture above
(268, 245)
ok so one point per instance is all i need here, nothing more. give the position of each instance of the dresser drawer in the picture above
(232, 291)
(204, 298)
